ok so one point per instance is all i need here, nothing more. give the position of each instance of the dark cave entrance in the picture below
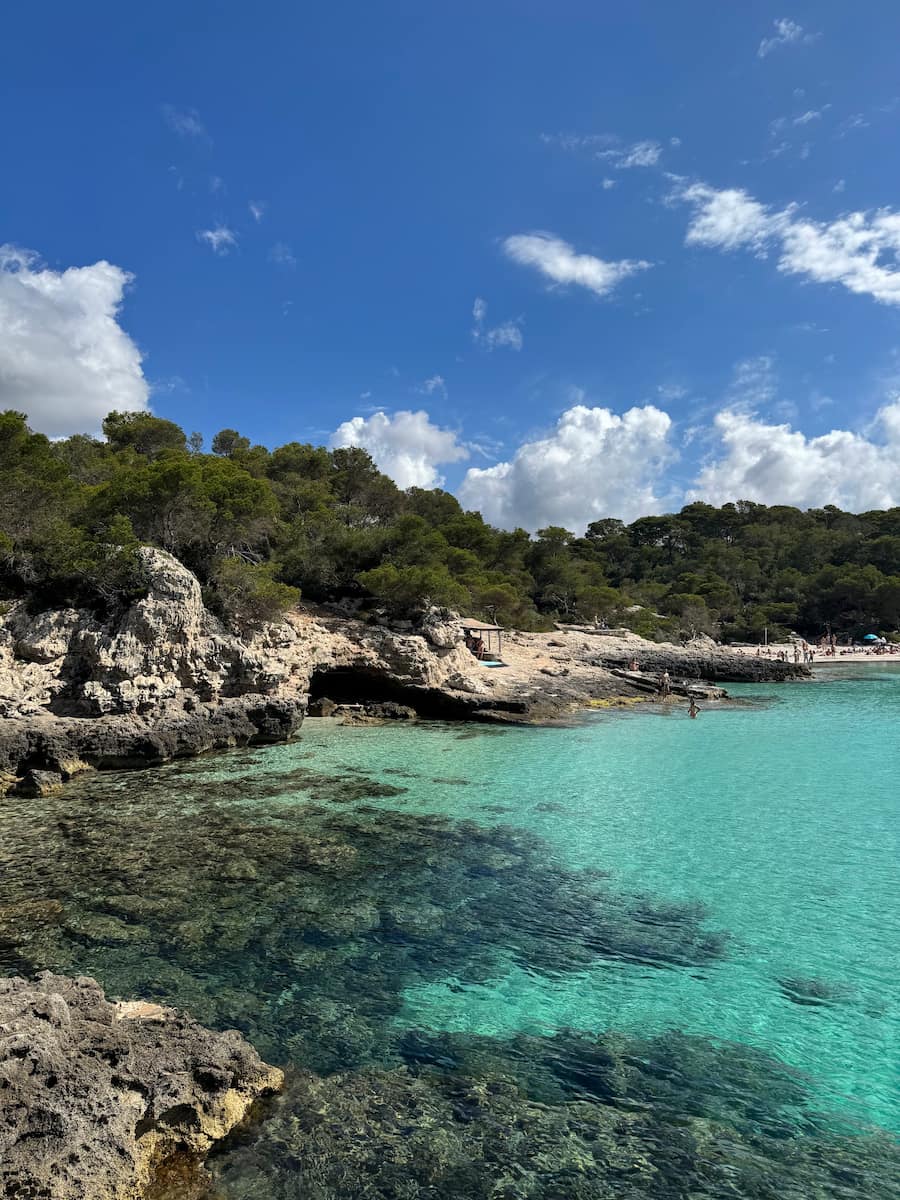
(357, 685)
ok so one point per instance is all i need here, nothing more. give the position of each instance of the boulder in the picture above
(100, 1100)
(38, 783)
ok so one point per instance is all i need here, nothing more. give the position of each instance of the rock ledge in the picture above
(98, 1100)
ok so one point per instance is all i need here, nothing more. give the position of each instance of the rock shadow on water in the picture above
(555, 1118)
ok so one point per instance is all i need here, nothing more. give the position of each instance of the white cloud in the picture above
(787, 33)
(282, 255)
(436, 384)
(607, 184)
(64, 359)
(593, 464)
(257, 210)
(858, 250)
(856, 121)
(775, 464)
(640, 154)
(184, 121)
(220, 239)
(726, 219)
(811, 114)
(671, 391)
(406, 446)
(753, 384)
(508, 334)
(840, 185)
(558, 261)
(578, 141)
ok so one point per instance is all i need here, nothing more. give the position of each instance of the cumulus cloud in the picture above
(405, 445)
(787, 33)
(775, 464)
(64, 359)
(593, 464)
(184, 121)
(508, 334)
(220, 239)
(560, 263)
(858, 250)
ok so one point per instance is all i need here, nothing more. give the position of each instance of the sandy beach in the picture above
(843, 654)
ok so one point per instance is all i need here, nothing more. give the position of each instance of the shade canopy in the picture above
(871, 637)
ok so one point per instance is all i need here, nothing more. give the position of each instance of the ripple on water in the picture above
(473, 947)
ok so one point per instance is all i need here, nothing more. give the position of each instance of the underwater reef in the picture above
(303, 924)
(555, 1118)
(301, 907)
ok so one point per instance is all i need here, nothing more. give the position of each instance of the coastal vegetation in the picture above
(262, 527)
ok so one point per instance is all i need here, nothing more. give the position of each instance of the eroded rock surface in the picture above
(96, 1099)
(167, 680)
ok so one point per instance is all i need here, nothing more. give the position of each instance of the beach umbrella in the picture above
(871, 637)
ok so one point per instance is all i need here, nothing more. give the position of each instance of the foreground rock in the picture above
(167, 680)
(98, 1101)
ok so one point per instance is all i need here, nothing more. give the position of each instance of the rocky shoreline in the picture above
(105, 1101)
(166, 680)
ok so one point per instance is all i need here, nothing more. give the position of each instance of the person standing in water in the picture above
(665, 685)
(693, 710)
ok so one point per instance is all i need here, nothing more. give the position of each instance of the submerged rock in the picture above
(97, 1099)
(813, 993)
(556, 1118)
(201, 889)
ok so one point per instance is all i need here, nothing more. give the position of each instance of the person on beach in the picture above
(693, 710)
(665, 685)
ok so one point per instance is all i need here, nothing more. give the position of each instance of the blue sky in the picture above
(516, 221)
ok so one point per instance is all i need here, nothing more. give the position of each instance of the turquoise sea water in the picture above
(426, 898)
(782, 817)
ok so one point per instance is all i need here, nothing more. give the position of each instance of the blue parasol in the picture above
(871, 637)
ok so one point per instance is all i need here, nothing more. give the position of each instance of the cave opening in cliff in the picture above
(357, 685)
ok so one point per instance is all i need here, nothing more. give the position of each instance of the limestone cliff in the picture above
(167, 679)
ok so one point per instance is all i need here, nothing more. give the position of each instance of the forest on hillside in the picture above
(261, 528)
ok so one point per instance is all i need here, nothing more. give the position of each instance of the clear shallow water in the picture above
(512, 884)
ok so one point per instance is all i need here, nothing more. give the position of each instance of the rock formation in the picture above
(167, 680)
(99, 1099)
